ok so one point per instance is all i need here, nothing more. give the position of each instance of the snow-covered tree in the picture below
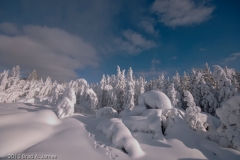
(185, 81)
(92, 99)
(4, 80)
(228, 134)
(172, 94)
(56, 91)
(130, 75)
(120, 89)
(208, 77)
(226, 89)
(196, 120)
(66, 106)
(195, 89)
(129, 96)
(33, 76)
(177, 85)
(139, 89)
(14, 77)
(46, 88)
(209, 101)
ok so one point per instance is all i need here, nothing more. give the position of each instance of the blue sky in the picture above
(85, 39)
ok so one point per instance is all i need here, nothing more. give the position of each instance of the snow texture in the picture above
(155, 99)
(106, 112)
(120, 136)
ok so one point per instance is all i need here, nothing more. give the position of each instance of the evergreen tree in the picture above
(177, 85)
(33, 76)
(129, 96)
(172, 94)
(225, 88)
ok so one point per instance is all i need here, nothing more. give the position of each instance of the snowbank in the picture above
(120, 136)
(17, 130)
(155, 99)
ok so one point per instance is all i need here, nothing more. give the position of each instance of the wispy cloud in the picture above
(174, 57)
(153, 71)
(232, 57)
(51, 51)
(154, 62)
(133, 42)
(181, 12)
(148, 25)
(8, 28)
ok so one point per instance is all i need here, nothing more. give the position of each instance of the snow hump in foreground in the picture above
(120, 136)
(155, 99)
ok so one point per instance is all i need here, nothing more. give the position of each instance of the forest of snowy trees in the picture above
(208, 88)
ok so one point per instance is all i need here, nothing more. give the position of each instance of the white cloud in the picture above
(232, 57)
(148, 26)
(8, 28)
(51, 51)
(134, 42)
(181, 12)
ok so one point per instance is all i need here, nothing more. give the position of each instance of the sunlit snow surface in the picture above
(32, 129)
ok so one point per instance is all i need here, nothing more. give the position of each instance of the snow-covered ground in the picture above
(33, 130)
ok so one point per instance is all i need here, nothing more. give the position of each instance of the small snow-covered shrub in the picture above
(155, 99)
(155, 121)
(196, 120)
(228, 133)
(120, 136)
(66, 106)
(169, 117)
(106, 112)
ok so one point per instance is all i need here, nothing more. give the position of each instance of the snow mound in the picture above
(17, 130)
(106, 112)
(29, 100)
(155, 99)
(136, 111)
(153, 121)
(120, 136)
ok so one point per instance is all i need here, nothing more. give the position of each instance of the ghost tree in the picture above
(66, 106)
